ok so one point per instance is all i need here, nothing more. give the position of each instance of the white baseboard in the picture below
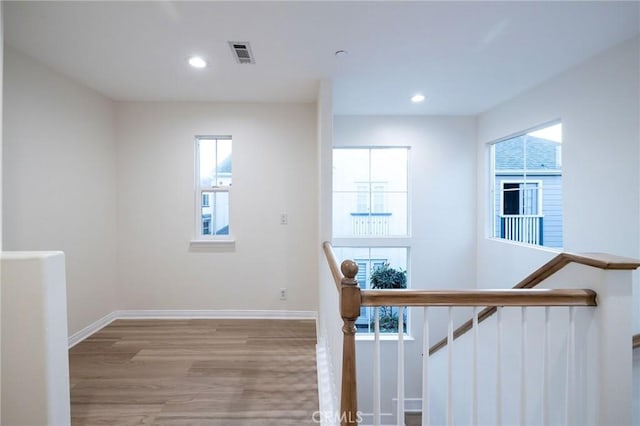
(215, 314)
(79, 336)
(187, 314)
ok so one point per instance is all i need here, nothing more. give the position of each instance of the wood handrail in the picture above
(596, 260)
(508, 297)
(352, 298)
(333, 263)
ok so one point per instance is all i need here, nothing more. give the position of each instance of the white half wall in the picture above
(35, 360)
(275, 171)
(599, 105)
(59, 180)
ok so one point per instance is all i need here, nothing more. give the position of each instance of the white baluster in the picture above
(400, 367)
(545, 367)
(376, 368)
(499, 369)
(523, 368)
(425, 368)
(474, 370)
(450, 370)
(521, 229)
(569, 389)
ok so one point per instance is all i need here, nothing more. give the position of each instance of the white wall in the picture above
(274, 171)
(443, 203)
(1, 102)
(598, 103)
(59, 180)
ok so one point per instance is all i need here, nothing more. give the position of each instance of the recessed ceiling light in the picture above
(197, 62)
(341, 53)
(417, 98)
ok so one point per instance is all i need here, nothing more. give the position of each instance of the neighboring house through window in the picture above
(527, 187)
(213, 186)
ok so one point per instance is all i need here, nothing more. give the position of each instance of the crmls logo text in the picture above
(321, 416)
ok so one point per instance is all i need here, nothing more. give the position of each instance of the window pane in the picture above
(350, 169)
(389, 168)
(223, 160)
(207, 158)
(347, 220)
(395, 213)
(215, 216)
(509, 154)
(214, 162)
(370, 196)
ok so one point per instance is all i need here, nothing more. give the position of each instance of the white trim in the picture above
(187, 314)
(384, 337)
(215, 314)
(79, 336)
(372, 242)
(227, 243)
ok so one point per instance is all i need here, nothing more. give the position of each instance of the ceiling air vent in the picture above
(242, 52)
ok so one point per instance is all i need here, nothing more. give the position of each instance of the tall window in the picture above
(213, 185)
(527, 187)
(371, 220)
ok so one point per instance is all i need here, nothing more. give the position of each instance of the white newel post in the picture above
(35, 360)
(614, 315)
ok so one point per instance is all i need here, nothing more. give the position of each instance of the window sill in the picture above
(227, 244)
(384, 337)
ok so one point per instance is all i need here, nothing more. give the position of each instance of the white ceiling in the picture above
(465, 56)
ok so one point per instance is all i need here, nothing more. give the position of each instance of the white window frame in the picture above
(490, 207)
(200, 240)
(522, 181)
(394, 241)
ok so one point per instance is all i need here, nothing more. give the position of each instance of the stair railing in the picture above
(610, 409)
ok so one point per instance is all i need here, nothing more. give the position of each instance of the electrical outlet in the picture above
(284, 219)
(283, 294)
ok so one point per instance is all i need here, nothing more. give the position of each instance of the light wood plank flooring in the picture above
(196, 372)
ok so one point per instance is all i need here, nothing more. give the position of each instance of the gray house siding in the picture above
(551, 204)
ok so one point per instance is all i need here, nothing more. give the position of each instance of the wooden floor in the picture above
(196, 372)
